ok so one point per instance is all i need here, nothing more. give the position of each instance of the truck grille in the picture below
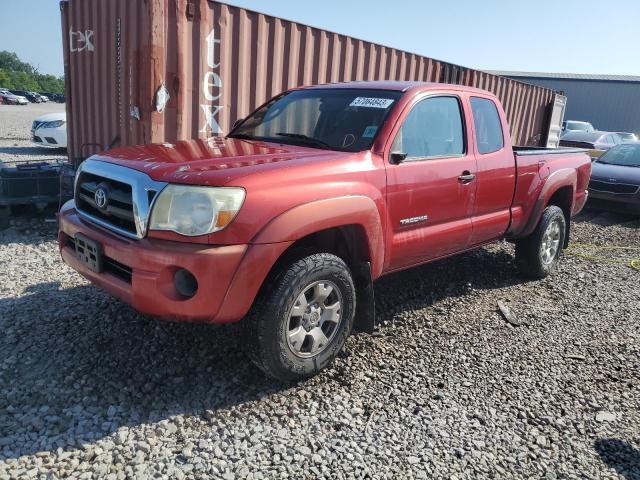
(115, 197)
(118, 210)
(615, 188)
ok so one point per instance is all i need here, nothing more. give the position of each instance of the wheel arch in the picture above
(349, 227)
(559, 189)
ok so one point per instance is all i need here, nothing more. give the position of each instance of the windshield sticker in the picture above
(371, 102)
(370, 131)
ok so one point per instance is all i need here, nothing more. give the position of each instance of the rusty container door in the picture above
(164, 70)
(106, 56)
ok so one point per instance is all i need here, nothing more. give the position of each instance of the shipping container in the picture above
(152, 71)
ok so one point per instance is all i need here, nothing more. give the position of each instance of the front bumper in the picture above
(50, 137)
(613, 202)
(141, 272)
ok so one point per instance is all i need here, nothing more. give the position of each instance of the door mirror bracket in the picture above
(397, 157)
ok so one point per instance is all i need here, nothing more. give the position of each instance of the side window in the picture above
(488, 127)
(433, 128)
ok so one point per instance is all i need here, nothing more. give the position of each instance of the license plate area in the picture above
(89, 252)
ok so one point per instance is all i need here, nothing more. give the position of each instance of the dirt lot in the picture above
(445, 388)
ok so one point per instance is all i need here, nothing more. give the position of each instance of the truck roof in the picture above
(401, 86)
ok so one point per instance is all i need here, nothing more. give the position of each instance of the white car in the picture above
(50, 130)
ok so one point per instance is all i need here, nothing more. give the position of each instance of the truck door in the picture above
(496, 175)
(430, 183)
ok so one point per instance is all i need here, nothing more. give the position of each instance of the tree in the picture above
(49, 83)
(18, 75)
(9, 61)
(5, 80)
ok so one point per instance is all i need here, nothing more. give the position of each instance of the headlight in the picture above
(56, 124)
(193, 211)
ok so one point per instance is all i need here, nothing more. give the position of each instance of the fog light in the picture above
(185, 283)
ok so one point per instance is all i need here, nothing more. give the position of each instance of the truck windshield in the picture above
(343, 119)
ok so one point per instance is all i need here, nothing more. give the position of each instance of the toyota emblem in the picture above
(100, 197)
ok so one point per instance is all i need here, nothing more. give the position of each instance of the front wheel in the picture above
(302, 319)
(538, 254)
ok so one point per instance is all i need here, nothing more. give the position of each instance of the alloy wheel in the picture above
(314, 318)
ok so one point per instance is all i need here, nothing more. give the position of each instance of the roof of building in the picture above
(568, 76)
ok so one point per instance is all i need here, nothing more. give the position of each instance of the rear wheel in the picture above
(301, 320)
(538, 254)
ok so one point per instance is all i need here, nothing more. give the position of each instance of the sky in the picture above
(569, 36)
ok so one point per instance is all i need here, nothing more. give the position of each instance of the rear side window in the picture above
(433, 128)
(488, 127)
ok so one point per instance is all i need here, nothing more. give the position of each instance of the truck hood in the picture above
(215, 161)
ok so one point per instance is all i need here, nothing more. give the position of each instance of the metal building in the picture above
(609, 102)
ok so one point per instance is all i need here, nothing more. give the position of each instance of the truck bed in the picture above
(534, 165)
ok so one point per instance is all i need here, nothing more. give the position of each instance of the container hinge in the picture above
(191, 9)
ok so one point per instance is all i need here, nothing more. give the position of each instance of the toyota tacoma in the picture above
(285, 223)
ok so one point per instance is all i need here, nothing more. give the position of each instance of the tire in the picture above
(537, 255)
(281, 337)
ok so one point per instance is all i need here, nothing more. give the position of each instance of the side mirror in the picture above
(237, 123)
(397, 157)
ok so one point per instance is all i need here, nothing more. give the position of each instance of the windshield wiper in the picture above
(241, 136)
(305, 138)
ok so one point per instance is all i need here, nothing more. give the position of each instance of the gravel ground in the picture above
(445, 388)
(15, 133)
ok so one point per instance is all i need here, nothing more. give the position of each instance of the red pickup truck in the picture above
(286, 222)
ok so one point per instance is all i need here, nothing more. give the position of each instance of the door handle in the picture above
(466, 177)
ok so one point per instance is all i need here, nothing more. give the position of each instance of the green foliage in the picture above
(10, 61)
(18, 75)
(5, 80)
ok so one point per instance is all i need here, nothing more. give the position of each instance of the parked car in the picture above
(592, 140)
(615, 181)
(627, 137)
(50, 130)
(576, 126)
(43, 98)
(30, 96)
(10, 98)
(317, 193)
(55, 97)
